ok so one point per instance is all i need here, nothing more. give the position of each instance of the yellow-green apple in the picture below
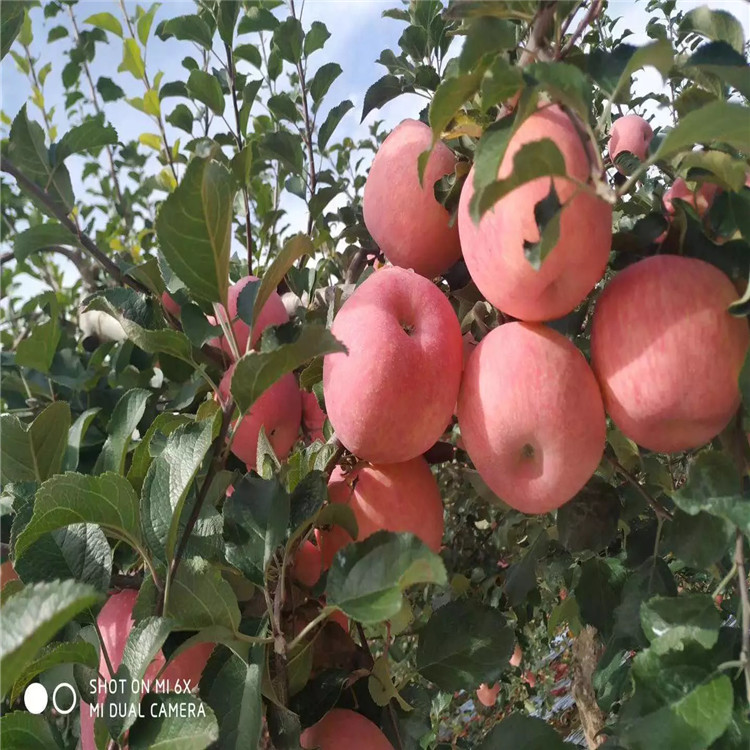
(409, 225)
(494, 248)
(630, 133)
(390, 497)
(487, 695)
(390, 398)
(307, 565)
(342, 729)
(699, 198)
(278, 410)
(313, 417)
(273, 314)
(531, 416)
(667, 353)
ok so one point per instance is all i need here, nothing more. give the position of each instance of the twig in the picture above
(661, 512)
(35, 80)
(590, 17)
(739, 561)
(569, 19)
(86, 242)
(363, 639)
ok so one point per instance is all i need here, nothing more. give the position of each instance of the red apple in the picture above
(7, 573)
(629, 133)
(391, 497)
(700, 198)
(515, 659)
(494, 249)
(390, 398)
(487, 695)
(404, 218)
(341, 729)
(667, 353)
(278, 410)
(170, 305)
(307, 565)
(531, 416)
(313, 417)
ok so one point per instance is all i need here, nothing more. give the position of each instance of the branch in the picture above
(590, 17)
(739, 561)
(86, 242)
(661, 511)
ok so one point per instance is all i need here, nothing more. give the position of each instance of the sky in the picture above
(358, 34)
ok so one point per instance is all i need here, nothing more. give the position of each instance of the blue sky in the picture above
(358, 34)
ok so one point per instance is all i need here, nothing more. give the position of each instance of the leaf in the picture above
(194, 227)
(668, 621)
(322, 80)
(20, 728)
(189, 28)
(284, 148)
(108, 89)
(250, 53)
(127, 413)
(717, 25)
(31, 618)
(589, 520)
(76, 434)
(175, 722)
(105, 21)
(288, 37)
(143, 644)
(547, 216)
(334, 117)
(463, 644)
(107, 500)
(485, 36)
(232, 687)
(567, 84)
(367, 578)
(698, 541)
(382, 91)
(720, 60)
(257, 371)
(132, 62)
(718, 122)
(226, 21)
(316, 37)
(181, 117)
(283, 107)
(11, 22)
(34, 452)
(41, 237)
(524, 732)
(38, 349)
(144, 24)
(206, 88)
(450, 96)
(255, 521)
(521, 579)
(167, 483)
(257, 18)
(380, 684)
(76, 652)
(597, 594)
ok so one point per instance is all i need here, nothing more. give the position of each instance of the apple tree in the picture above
(431, 436)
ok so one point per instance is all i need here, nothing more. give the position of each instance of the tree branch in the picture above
(661, 511)
(589, 18)
(86, 242)
(739, 561)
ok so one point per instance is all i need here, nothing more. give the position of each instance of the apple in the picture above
(487, 695)
(273, 314)
(278, 410)
(391, 497)
(7, 573)
(700, 198)
(531, 416)
(390, 398)
(469, 344)
(313, 417)
(307, 565)
(403, 217)
(494, 249)
(515, 659)
(342, 729)
(169, 304)
(667, 353)
(630, 133)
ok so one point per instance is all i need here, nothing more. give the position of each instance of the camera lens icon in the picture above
(36, 698)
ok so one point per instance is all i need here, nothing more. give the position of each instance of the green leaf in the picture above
(226, 21)
(34, 452)
(144, 24)
(283, 107)
(190, 28)
(167, 484)
(250, 53)
(367, 578)
(565, 82)
(31, 618)
(717, 25)
(720, 60)
(316, 37)
(38, 349)
(322, 80)
(109, 90)
(41, 237)
(20, 729)
(105, 21)
(450, 96)
(597, 594)
(285, 148)
(76, 434)
(668, 621)
(107, 500)
(258, 371)
(463, 644)
(288, 37)
(334, 117)
(485, 36)
(181, 117)
(28, 152)
(700, 540)
(589, 520)
(144, 643)
(175, 722)
(382, 91)
(524, 732)
(718, 122)
(547, 215)
(232, 687)
(132, 62)
(206, 88)
(11, 22)
(126, 415)
(521, 577)
(257, 18)
(194, 227)
(255, 521)
(76, 652)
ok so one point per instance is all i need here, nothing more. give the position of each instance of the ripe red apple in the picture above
(629, 133)
(390, 398)
(273, 314)
(278, 410)
(170, 305)
(307, 565)
(391, 497)
(700, 198)
(313, 417)
(667, 353)
(515, 659)
(469, 344)
(531, 416)
(494, 249)
(341, 729)
(404, 218)
(487, 695)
